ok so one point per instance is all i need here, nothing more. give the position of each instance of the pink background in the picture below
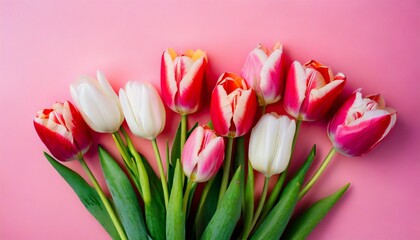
(45, 45)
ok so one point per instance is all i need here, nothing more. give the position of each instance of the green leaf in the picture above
(303, 225)
(223, 222)
(248, 211)
(87, 195)
(125, 199)
(175, 217)
(274, 224)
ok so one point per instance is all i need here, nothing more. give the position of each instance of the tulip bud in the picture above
(143, 109)
(203, 154)
(182, 80)
(233, 106)
(263, 71)
(270, 144)
(62, 129)
(360, 124)
(311, 90)
(98, 103)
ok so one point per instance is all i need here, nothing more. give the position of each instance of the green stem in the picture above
(161, 172)
(183, 130)
(204, 195)
(226, 169)
(104, 199)
(186, 195)
(122, 149)
(263, 109)
(277, 188)
(318, 173)
(259, 208)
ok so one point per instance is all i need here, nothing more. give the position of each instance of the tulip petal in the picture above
(245, 107)
(211, 159)
(77, 126)
(295, 89)
(319, 101)
(271, 84)
(221, 111)
(190, 87)
(128, 113)
(285, 140)
(358, 139)
(251, 71)
(59, 145)
(341, 115)
(169, 85)
(97, 109)
(191, 149)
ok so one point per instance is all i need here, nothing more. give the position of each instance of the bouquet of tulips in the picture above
(204, 188)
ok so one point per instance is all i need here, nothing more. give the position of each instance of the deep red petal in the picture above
(59, 147)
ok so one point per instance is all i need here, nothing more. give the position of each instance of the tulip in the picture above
(203, 154)
(182, 80)
(98, 103)
(143, 109)
(263, 71)
(360, 124)
(311, 90)
(270, 144)
(233, 106)
(62, 129)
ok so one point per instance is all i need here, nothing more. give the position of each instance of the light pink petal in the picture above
(272, 81)
(251, 71)
(211, 159)
(191, 150)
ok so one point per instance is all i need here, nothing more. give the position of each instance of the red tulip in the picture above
(233, 106)
(63, 130)
(182, 80)
(263, 71)
(311, 90)
(203, 154)
(360, 124)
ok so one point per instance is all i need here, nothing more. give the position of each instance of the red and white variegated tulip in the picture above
(311, 90)
(62, 129)
(233, 106)
(143, 109)
(98, 103)
(182, 80)
(263, 71)
(270, 144)
(360, 124)
(203, 154)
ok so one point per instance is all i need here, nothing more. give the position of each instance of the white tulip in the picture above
(98, 103)
(143, 109)
(270, 145)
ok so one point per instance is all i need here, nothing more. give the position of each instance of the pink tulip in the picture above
(63, 130)
(360, 124)
(203, 154)
(182, 80)
(311, 90)
(233, 106)
(263, 71)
